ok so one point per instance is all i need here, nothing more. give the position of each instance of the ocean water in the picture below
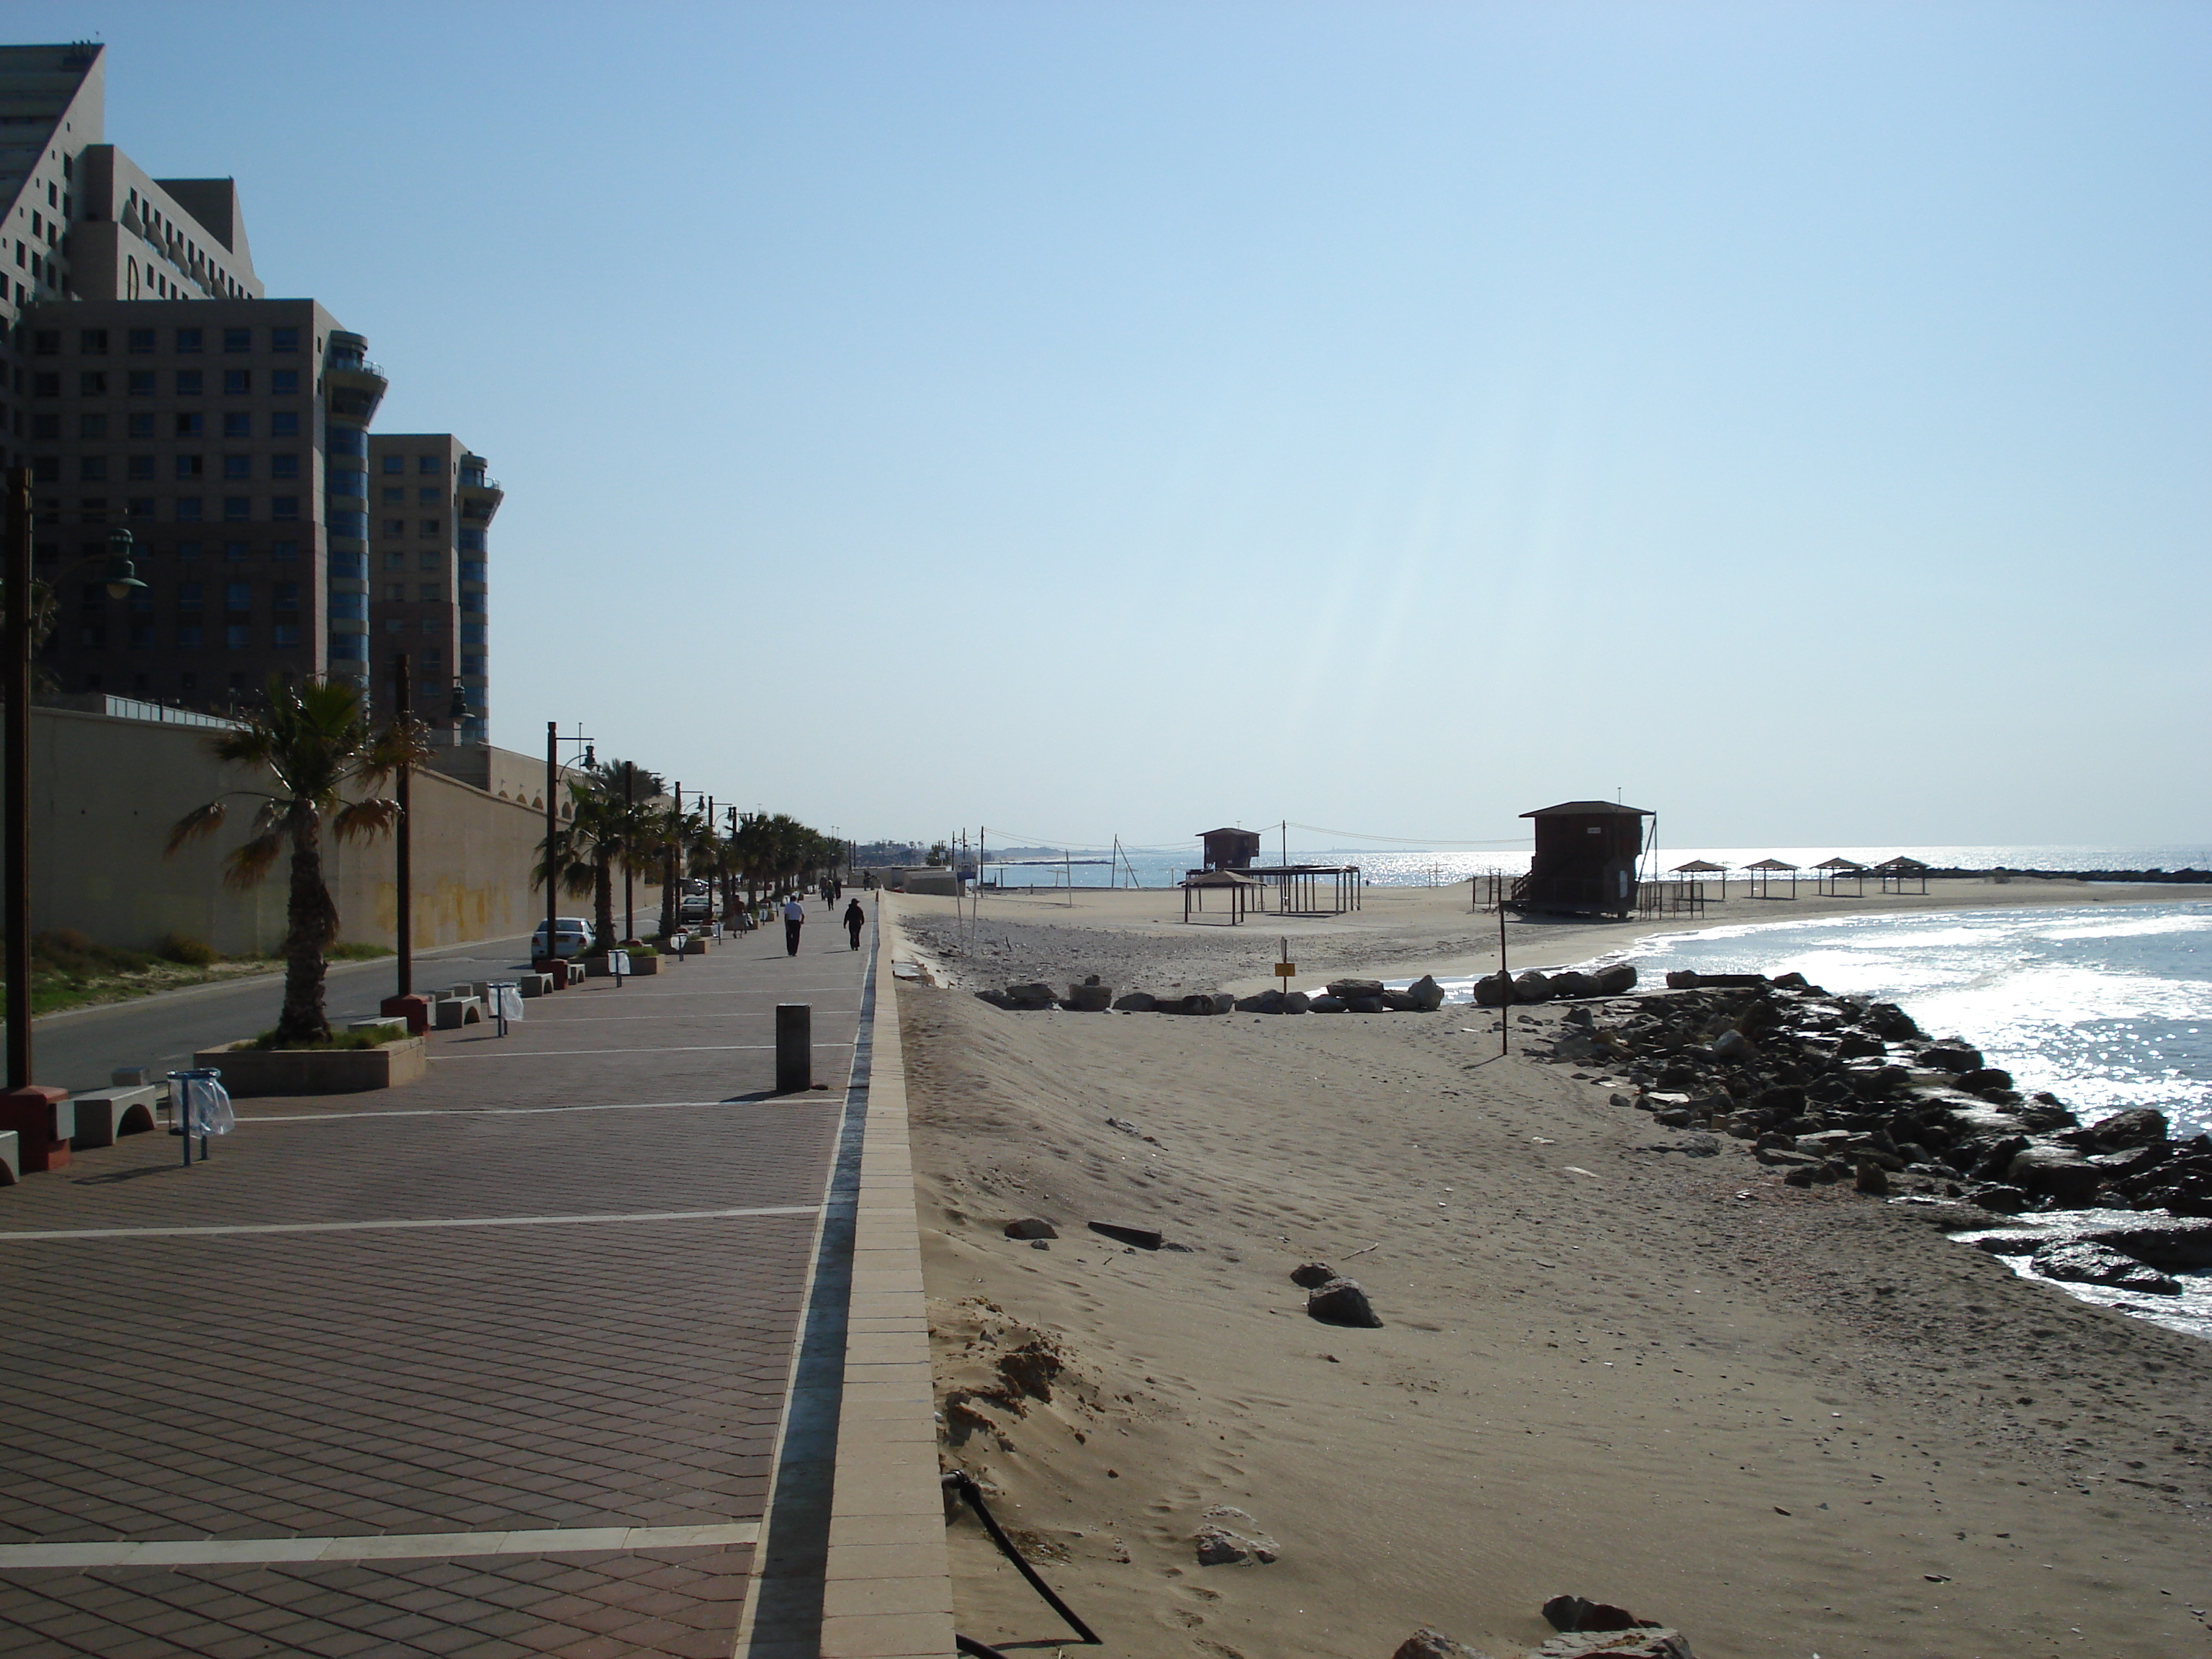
(1163, 866)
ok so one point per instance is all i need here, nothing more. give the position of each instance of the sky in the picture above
(1093, 419)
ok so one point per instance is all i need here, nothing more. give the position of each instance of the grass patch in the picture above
(337, 1041)
(68, 970)
(345, 952)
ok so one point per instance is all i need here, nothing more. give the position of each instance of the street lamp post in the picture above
(553, 742)
(26, 1107)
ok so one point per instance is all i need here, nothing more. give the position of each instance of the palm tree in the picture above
(316, 744)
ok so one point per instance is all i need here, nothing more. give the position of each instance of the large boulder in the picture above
(1031, 1227)
(1032, 996)
(1367, 1005)
(1532, 986)
(2083, 1263)
(1493, 991)
(1428, 996)
(2138, 1127)
(1401, 1002)
(1091, 998)
(1342, 1302)
(1265, 1002)
(1950, 1057)
(1312, 1275)
(1615, 980)
(1296, 1002)
(1351, 989)
(1326, 1005)
(1890, 1023)
(2057, 1173)
(1136, 1002)
(1428, 1642)
(1573, 982)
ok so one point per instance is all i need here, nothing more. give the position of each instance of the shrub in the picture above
(183, 948)
(70, 954)
(343, 951)
(337, 1040)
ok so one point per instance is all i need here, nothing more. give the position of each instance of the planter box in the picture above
(316, 1071)
(643, 967)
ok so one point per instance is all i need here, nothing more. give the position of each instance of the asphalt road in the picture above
(78, 1049)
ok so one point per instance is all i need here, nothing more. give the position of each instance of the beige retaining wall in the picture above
(105, 791)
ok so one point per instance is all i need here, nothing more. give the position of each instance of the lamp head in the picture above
(457, 708)
(122, 572)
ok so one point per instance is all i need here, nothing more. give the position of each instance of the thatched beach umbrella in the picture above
(1901, 870)
(1766, 870)
(1838, 868)
(1705, 867)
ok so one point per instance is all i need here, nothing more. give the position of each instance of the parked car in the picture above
(695, 907)
(572, 937)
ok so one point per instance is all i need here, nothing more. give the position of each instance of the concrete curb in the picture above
(887, 1590)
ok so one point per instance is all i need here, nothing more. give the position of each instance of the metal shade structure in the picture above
(1705, 867)
(1763, 873)
(1240, 890)
(1837, 871)
(1901, 870)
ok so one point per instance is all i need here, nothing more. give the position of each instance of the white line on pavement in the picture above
(7, 1236)
(678, 1048)
(524, 1111)
(388, 1546)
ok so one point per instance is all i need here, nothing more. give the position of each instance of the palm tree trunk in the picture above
(668, 894)
(311, 923)
(603, 901)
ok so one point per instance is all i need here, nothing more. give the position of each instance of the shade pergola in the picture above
(1239, 888)
(1901, 870)
(1763, 873)
(1705, 867)
(1837, 869)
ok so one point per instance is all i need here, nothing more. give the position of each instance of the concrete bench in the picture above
(104, 1115)
(399, 1025)
(453, 1012)
(534, 985)
(11, 1161)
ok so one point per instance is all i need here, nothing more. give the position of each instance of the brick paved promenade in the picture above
(492, 1364)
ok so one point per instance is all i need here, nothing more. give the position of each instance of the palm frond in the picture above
(244, 867)
(358, 820)
(200, 821)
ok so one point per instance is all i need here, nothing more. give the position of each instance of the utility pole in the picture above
(403, 850)
(16, 856)
(552, 835)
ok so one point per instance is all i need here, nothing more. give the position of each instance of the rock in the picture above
(1145, 1238)
(1428, 1642)
(1367, 1006)
(1890, 1023)
(1400, 1002)
(2055, 1172)
(1341, 1302)
(1859, 1045)
(1136, 1002)
(1681, 978)
(1872, 1179)
(1428, 996)
(1532, 986)
(1988, 1076)
(1264, 1002)
(1326, 1005)
(1574, 984)
(2138, 1127)
(1674, 1117)
(2084, 1263)
(1616, 980)
(1951, 1057)
(1221, 1001)
(1351, 988)
(1493, 991)
(1200, 1002)
(1733, 1045)
(1647, 1642)
(1999, 1199)
(1091, 998)
(1311, 1275)
(1296, 1002)
(1031, 1227)
(1230, 1535)
(1791, 981)
(1573, 1613)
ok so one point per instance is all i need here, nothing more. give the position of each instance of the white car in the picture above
(572, 937)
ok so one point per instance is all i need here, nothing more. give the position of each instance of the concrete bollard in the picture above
(795, 1048)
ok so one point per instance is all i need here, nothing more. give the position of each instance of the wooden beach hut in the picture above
(1229, 849)
(1901, 870)
(1835, 872)
(1763, 875)
(1585, 861)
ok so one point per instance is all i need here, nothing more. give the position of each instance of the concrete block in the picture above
(11, 1161)
(453, 1012)
(132, 1077)
(413, 1008)
(103, 1116)
(534, 985)
(399, 1024)
(44, 1123)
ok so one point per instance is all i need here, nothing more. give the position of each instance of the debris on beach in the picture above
(1575, 1612)
(1031, 1227)
(1230, 1536)
(1428, 1642)
(1311, 1275)
(1342, 1302)
(1144, 1238)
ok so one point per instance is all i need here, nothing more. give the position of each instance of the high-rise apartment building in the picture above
(150, 386)
(430, 511)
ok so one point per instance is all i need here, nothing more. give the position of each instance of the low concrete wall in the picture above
(104, 793)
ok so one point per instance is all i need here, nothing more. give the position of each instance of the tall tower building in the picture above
(430, 512)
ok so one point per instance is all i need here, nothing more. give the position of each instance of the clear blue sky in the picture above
(1098, 418)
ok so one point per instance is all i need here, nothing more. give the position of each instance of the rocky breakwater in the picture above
(1343, 996)
(1829, 1089)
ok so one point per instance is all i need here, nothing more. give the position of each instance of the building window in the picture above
(287, 595)
(472, 633)
(283, 339)
(395, 526)
(188, 509)
(237, 424)
(191, 467)
(395, 624)
(237, 466)
(284, 382)
(188, 339)
(353, 607)
(237, 381)
(432, 561)
(190, 382)
(430, 497)
(46, 385)
(237, 596)
(472, 665)
(283, 550)
(472, 604)
(140, 507)
(92, 383)
(238, 339)
(142, 636)
(473, 570)
(140, 382)
(284, 424)
(285, 633)
(430, 593)
(236, 636)
(92, 469)
(395, 593)
(432, 626)
(430, 466)
(93, 509)
(237, 508)
(45, 341)
(430, 527)
(472, 541)
(92, 341)
(188, 595)
(46, 469)
(46, 426)
(284, 507)
(283, 467)
(140, 341)
(234, 551)
(188, 636)
(349, 647)
(188, 550)
(142, 466)
(395, 463)
(190, 426)
(395, 498)
(92, 426)
(140, 426)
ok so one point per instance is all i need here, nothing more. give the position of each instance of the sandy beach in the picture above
(1786, 1422)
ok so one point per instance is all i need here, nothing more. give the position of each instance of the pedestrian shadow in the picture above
(114, 1176)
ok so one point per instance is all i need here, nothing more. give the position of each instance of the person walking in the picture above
(855, 920)
(794, 918)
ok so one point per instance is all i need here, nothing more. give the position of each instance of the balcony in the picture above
(354, 387)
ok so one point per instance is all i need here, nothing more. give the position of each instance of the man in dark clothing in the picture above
(794, 918)
(855, 920)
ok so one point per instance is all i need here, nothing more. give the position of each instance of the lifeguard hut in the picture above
(1229, 849)
(1587, 852)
